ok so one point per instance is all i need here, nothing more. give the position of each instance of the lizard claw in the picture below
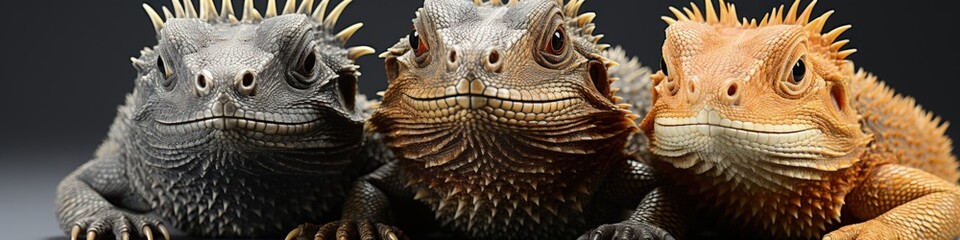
(295, 232)
(75, 232)
(92, 235)
(626, 231)
(117, 225)
(164, 231)
(347, 230)
(147, 232)
(865, 230)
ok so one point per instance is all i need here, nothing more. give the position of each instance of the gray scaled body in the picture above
(240, 125)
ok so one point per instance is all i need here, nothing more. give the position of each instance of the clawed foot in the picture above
(123, 226)
(626, 231)
(865, 230)
(347, 230)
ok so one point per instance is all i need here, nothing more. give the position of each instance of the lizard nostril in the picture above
(246, 82)
(494, 57)
(202, 83)
(732, 92)
(492, 60)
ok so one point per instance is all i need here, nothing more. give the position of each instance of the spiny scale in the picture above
(208, 12)
(727, 16)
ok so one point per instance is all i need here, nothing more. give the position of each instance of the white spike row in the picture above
(178, 9)
(680, 16)
(154, 17)
(320, 12)
(585, 18)
(306, 7)
(573, 7)
(233, 19)
(356, 52)
(189, 10)
(345, 34)
(271, 9)
(596, 38)
(289, 7)
(696, 12)
(166, 13)
(137, 62)
(250, 14)
(711, 14)
(226, 9)
(668, 20)
(331, 20)
(208, 11)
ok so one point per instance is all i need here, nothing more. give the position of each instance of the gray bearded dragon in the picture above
(238, 126)
(505, 126)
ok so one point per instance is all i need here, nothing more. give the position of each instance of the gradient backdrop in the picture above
(65, 69)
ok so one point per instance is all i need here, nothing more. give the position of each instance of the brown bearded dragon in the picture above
(768, 124)
(505, 126)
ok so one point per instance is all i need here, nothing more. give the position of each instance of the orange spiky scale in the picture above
(711, 14)
(698, 16)
(791, 17)
(805, 16)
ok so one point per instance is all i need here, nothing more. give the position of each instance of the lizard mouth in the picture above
(709, 132)
(226, 116)
(469, 99)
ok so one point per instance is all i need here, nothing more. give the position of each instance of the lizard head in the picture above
(277, 81)
(525, 76)
(772, 95)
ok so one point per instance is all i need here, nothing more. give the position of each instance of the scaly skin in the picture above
(235, 128)
(505, 126)
(769, 121)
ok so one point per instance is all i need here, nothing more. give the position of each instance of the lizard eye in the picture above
(794, 82)
(557, 42)
(305, 70)
(799, 70)
(417, 43)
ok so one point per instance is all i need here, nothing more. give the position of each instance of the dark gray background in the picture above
(65, 69)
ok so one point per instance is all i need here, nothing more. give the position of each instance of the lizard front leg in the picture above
(900, 202)
(95, 200)
(657, 216)
(366, 211)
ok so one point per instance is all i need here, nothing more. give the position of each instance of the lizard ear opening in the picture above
(392, 68)
(347, 84)
(838, 96)
(598, 77)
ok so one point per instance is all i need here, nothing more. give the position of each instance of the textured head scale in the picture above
(509, 96)
(280, 79)
(754, 108)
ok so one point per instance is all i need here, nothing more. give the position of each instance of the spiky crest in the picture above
(208, 12)
(727, 17)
